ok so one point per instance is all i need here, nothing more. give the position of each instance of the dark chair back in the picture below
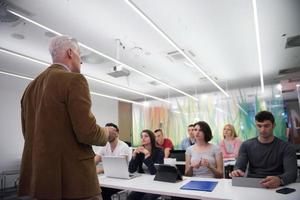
(128, 143)
(178, 154)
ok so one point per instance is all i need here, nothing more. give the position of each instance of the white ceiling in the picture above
(220, 33)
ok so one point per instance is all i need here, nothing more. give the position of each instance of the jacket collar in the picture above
(60, 66)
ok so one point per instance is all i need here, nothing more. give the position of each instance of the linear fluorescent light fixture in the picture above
(165, 36)
(106, 56)
(258, 44)
(125, 88)
(116, 98)
(88, 77)
(23, 56)
(93, 93)
(16, 75)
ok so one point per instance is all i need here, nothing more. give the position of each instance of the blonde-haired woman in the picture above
(230, 145)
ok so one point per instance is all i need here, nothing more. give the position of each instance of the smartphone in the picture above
(285, 190)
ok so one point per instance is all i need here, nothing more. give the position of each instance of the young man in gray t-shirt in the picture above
(268, 156)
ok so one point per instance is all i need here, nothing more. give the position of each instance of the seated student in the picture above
(114, 147)
(190, 140)
(230, 145)
(143, 159)
(203, 158)
(162, 142)
(268, 156)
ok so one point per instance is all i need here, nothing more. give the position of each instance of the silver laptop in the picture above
(246, 182)
(117, 167)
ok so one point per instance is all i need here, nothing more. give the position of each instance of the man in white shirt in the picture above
(114, 147)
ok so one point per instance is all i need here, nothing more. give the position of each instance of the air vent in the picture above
(154, 83)
(49, 34)
(203, 79)
(288, 85)
(176, 56)
(292, 74)
(293, 41)
(5, 16)
(18, 36)
(289, 71)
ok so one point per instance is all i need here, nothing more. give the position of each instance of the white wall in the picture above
(105, 111)
(11, 138)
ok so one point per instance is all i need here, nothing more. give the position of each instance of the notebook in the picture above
(207, 186)
(246, 182)
(117, 167)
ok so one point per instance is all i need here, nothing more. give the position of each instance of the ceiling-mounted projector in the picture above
(119, 71)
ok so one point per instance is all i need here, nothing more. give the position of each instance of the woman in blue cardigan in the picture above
(143, 159)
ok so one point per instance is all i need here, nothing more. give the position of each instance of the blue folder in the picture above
(207, 186)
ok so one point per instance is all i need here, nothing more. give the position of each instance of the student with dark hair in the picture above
(268, 157)
(163, 142)
(143, 159)
(114, 147)
(203, 158)
(190, 140)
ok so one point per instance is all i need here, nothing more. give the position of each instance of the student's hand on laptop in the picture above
(271, 182)
(237, 173)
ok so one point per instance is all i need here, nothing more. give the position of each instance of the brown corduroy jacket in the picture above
(59, 129)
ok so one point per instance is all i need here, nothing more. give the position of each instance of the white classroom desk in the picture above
(223, 190)
(180, 163)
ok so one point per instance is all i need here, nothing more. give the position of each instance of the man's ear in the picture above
(69, 53)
